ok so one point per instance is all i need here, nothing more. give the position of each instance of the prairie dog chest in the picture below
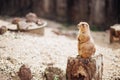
(84, 33)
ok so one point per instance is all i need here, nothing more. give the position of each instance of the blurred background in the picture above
(49, 36)
(100, 14)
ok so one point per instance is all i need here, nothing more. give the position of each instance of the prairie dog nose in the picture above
(82, 24)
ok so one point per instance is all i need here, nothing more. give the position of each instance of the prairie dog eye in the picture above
(82, 25)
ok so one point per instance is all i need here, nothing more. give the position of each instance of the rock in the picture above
(3, 29)
(3, 77)
(16, 20)
(22, 25)
(12, 60)
(25, 73)
(12, 74)
(31, 17)
(54, 73)
(39, 22)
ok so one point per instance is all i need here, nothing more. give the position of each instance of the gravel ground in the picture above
(39, 52)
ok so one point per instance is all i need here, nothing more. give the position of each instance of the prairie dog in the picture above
(86, 47)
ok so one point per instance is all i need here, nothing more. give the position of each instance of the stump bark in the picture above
(84, 69)
(114, 32)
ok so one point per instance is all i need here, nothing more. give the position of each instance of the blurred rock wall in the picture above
(99, 13)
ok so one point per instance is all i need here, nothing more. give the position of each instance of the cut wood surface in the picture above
(114, 32)
(84, 69)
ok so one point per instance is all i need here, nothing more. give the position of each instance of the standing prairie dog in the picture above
(86, 47)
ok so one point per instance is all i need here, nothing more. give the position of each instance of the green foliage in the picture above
(56, 77)
(66, 24)
(69, 26)
(94, 28)
(98, 28)
(15, 37)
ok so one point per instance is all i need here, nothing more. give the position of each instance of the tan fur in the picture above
(86, 47)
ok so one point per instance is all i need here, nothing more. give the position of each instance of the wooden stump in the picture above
(114, 32)
(84, 69)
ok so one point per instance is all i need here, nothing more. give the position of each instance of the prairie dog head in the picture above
(84, 32)
(83, 27)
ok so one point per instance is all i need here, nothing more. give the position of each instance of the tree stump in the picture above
(114, 32)
(84, 69)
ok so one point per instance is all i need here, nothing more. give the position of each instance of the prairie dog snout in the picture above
(83, 27)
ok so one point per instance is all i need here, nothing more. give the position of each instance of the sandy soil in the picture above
(39, 52)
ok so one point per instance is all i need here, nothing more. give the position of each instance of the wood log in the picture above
(97, 12)
(114, 32)
(84, 69)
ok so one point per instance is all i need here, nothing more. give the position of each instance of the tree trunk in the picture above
(97, 12)
(84, 69)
